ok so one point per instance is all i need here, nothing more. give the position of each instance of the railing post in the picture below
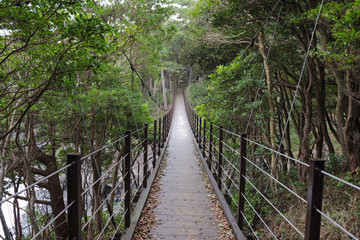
(314, 199)
(164, 132)
(241, 200)
(160, 139)
(155, 144)
(145, 155)
(196, 127)
(168, 124)
(204, 138)
(127, 179)
(219, 170)
(74, 195)
(200, 123)
(210, 146)
(193, 120)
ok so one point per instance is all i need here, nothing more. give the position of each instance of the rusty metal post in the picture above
(314, 199)
(200, 128)
(241, 200)
(127, 179)
(210, 146)
(193, 117)
(160, 137)
(196, 127)
(192, 121)
(163, 132)
(204, 139)
(74, 195)
(145, 144)
(167, 125)
(219, 167)
(155, 144)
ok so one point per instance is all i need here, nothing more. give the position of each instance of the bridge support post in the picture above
(74, 195)
(155, 144)
(196, 126)
(210, 146)
(168, 123)
(145, 144)
(314, 200)
(193, 121)
(163, 132)
(127, 179)
(204, 138)
(241, 199)
(220, 163)
(199, 132)
(160, 139)
(197, 129)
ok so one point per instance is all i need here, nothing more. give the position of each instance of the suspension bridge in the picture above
(188, 144)
(106, 199)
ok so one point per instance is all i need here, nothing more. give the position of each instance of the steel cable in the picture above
(257, 214)
(103, 202)
(284, 186)
(35, 183)
(53, 220)
(277, 210)
(336, 224)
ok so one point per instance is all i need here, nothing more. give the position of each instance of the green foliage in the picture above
(344, 21)
(335, 163)
(230, 90)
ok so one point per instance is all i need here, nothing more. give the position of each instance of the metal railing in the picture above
(229, 164)
(139, 158)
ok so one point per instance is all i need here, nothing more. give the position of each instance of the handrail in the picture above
(77, 174)
(212, 148)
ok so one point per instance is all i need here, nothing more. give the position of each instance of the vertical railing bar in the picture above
(204, 138)
(163, 132)
(155, 144)
(210, 146)
(145, 170)
(219, 167)
(127, 179)
(160, 137)
(200, 128)
(314, 199)
(241, 200)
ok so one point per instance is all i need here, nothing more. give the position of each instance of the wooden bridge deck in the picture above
(184, 210)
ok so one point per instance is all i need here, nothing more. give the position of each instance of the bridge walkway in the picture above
(184, 209)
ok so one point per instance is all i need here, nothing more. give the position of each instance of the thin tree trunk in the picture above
(191, 75)
(352, 125)
(305, 140)
(28, 175)
(270, 102)
(320, 97)
(163, 81)
(339, 76)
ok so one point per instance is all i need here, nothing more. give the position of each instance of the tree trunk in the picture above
(305, 140)
(28, 176)
(53, 184)
(270, 102)
(352, 125)
(191, 75)
(163, 82)
(319, 85)
(339, 76)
